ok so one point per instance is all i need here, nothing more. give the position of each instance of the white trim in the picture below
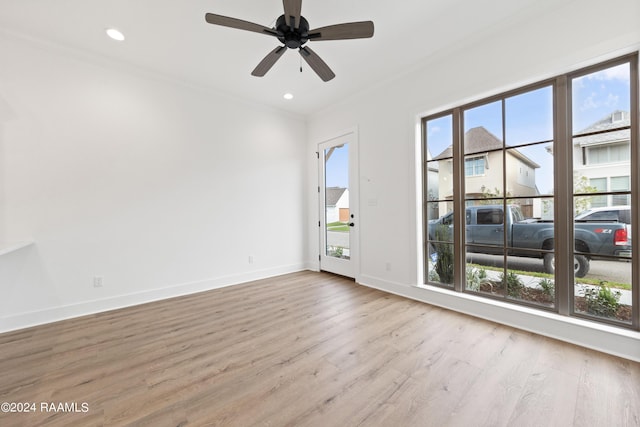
(338, 134)
(419, 197)
(607, 339)
(54, 314)
(8, 247)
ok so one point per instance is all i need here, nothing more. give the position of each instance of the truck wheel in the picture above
(580, 264)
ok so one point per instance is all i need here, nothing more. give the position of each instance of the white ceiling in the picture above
(171, 37)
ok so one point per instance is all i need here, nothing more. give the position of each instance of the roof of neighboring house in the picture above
(333, 194)
(612, 121)
(480, 140)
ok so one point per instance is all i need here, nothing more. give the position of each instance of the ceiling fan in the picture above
(292, 30)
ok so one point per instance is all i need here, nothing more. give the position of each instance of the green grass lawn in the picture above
(337, 226)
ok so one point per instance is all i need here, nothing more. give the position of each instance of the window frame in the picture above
(563, 187)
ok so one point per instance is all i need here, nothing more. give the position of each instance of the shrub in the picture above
(548, 287)
(473, 279)
(335, 251)
(444, 251)
(476, 276)
(601, 300)
(513, 282)
(433, 276)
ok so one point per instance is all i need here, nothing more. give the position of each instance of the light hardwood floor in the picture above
(308, 349)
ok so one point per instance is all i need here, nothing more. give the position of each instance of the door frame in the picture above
(349, 268)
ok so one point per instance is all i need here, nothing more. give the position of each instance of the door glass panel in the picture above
(602, 193)
(336, 203)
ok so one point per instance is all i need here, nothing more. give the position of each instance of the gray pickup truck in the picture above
(486, 226)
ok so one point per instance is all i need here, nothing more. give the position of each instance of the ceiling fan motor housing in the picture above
(292, 37)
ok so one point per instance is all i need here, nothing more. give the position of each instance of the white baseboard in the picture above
(312, 266)
(607, 339)
(54, 314)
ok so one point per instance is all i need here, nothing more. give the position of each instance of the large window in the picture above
(613, 153)
(530, 195)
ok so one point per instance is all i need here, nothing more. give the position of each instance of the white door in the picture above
(338, 189)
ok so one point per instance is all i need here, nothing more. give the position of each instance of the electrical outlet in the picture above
(97, 281)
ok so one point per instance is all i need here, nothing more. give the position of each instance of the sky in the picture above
(529, 117)
(597, 94)
(337, 168)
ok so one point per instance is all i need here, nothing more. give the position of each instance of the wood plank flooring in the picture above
(307, 349)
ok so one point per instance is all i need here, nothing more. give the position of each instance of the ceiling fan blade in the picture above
(317, 64)
(268, 61)
(225, 21)
(292, 10)
(350, 30)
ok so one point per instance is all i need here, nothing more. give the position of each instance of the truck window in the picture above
(517, 214)
(608, 216)
(447, 219)
(625, 216)
(489, 216)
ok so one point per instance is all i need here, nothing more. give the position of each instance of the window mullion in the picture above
(459, 259)
(635, 190)
(506, 221)
(563, 191)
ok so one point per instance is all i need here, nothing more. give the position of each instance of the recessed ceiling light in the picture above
(288, 96)
(115, 34)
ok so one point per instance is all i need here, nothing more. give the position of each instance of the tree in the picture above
(581, 185)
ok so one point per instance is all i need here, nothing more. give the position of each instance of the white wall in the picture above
(157, 187)
(573, 35)
(4, 112)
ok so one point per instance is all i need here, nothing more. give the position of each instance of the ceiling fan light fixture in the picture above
(115, 34)
(288, 96)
